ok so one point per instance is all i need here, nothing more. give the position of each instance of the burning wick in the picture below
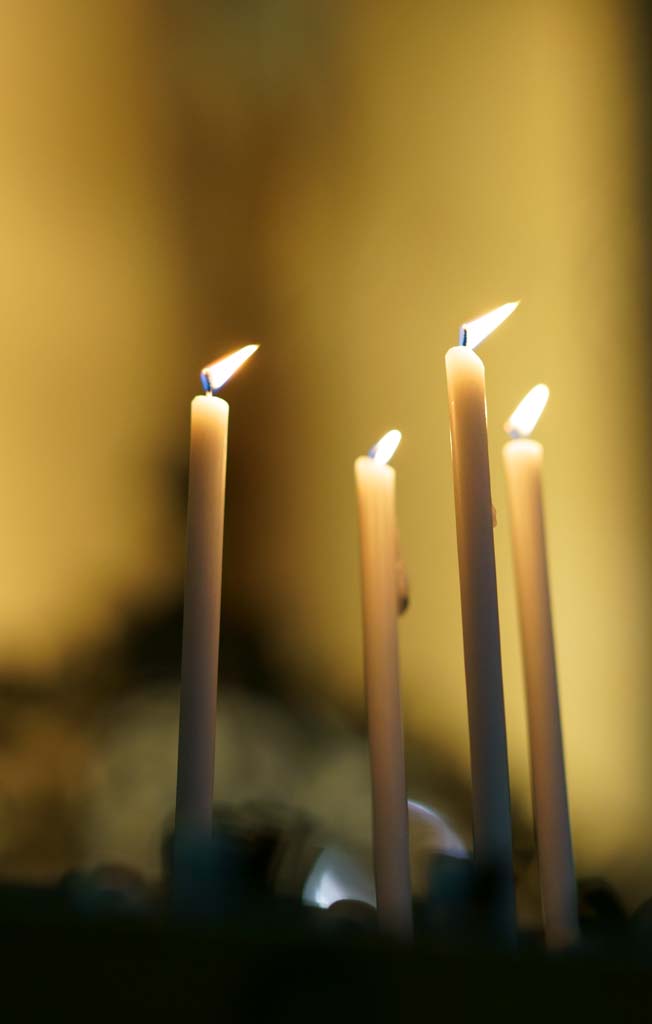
(214, 376)
(475, 331)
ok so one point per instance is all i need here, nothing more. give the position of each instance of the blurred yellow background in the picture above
(344, 183)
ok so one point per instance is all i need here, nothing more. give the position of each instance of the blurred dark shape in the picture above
(354, 914)
(251, 859)
(448, 909)
(216, 878)
(641, 922)
(109, 890)
(296, 973)
(46, 756)
(468, 905)
(149, 650)
(600, 908)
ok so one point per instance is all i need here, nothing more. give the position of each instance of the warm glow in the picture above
(383, 450)
(528, 411)
(217, 374)
(473, 333)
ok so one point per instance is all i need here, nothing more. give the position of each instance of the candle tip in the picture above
(216, 374)
(527, 413)
(383, 450)
(472, 333)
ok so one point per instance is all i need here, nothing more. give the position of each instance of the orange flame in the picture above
(527, 413)
(214, 376)
(383, 450)
(475, 331)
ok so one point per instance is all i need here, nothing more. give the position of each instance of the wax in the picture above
(375, 484)
(492, 833)
(523, 461)
(201, 615)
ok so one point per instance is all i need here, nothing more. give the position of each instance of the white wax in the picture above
(201, 615)
(523, 461)
(375, 485)
(492, 831)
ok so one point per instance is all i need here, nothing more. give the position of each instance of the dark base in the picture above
(306, 966)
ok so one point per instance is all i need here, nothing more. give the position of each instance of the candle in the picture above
(209, 419)
(375, 484)
(523, 459)
(492, 832)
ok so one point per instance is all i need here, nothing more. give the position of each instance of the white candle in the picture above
(201, 608)
(375, 484)
(523, 459)
(492, 831)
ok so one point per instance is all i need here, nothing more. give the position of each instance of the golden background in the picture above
(344, 183)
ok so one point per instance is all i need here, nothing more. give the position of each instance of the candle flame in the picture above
(383, 450)
(527, 413)
(214, 376)
(475, 331)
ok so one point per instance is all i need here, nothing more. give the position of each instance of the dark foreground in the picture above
(304, 967)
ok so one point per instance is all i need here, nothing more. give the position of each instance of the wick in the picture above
(463, 335)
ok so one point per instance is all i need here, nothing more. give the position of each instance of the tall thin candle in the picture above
(492, 832)
(209, 421)
(523, 460)
(375, 485)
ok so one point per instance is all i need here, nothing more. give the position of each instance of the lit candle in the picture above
(492, 831)
(523, 460)
(209, 420)
(375, 484)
